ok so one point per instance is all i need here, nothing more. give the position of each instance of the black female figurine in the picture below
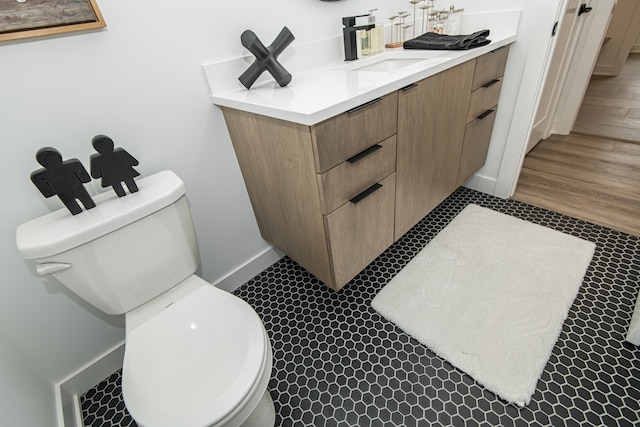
(113, 166)
(62, 178)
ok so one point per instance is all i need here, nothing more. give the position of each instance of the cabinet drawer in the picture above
(475, 146)
(340, 184)
(347, 134)
(359, 232)
(483, 99)
(490, 66)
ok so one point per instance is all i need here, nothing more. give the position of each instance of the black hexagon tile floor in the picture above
(338, 363)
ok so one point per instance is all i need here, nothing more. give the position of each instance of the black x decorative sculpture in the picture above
(64, 179)
(266, 58)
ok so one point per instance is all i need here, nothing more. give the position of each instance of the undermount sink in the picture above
(391, 64)
(384, 63)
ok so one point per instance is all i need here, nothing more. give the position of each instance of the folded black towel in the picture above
(434, 41)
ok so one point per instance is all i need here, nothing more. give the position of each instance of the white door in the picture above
(566, 31)
(582, 65)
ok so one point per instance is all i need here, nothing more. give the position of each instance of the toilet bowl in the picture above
(195, 355)
(205, 360)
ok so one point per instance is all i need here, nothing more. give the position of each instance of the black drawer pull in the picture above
(363, 106)
(491, 83)
(361, 155)
(485, 114)
(409, 87)
(366, 193)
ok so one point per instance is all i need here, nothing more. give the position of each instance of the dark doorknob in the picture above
(584, 9)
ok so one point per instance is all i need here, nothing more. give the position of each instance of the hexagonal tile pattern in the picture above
(103, 404)
(338, 363)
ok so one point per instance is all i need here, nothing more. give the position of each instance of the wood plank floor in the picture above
(611, 106)
(585, 177)
(594, 173)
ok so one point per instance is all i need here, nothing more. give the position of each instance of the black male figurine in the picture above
(113, 166)
(62, 178)
(266, 57)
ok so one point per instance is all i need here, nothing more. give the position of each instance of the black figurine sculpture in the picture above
(113, 166)
(266, 58)
(62, 178)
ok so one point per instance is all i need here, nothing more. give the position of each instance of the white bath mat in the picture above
(490, 294)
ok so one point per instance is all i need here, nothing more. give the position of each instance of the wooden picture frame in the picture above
(20, 19)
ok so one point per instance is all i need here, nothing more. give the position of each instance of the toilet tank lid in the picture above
(60, 231)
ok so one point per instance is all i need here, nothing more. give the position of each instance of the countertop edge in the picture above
(323, 111)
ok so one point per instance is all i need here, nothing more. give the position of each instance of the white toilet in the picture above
(195, 355)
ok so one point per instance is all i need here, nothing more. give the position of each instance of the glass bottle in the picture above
(454, 21)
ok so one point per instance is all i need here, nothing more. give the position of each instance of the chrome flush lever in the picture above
(47, 268)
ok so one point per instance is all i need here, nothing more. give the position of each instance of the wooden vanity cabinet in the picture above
(483, 104)
(333, 196)
(431, 123)
(322, 194)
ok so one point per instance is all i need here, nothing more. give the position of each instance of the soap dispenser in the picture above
(372, 41)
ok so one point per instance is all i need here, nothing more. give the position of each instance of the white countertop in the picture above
(324, 90)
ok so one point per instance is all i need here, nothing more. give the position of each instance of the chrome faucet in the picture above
(349, 36)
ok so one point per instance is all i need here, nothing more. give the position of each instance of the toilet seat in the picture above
(197, 362)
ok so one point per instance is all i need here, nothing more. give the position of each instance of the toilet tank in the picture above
(123, 252)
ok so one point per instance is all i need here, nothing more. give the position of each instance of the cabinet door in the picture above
(345, 181)
(490, 66)
(476, 145)
(484, 98)
(360, 230)
(276, 160)
(431, 120)
(347, 134)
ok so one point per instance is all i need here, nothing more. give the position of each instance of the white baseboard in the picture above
(68, 391)
(248, 270)
(603, 70)
(482, 183)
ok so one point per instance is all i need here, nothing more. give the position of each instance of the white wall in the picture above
(26, 396)
(140, 82)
